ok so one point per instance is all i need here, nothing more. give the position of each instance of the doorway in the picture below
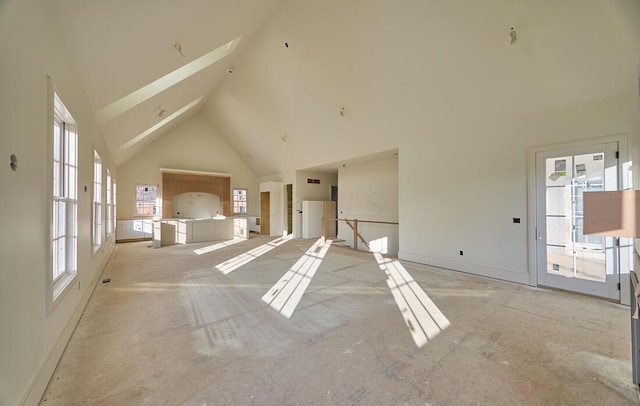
(265, 213)
(566, 258)
(334, 198)
(289, 208)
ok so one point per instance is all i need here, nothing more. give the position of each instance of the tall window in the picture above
(109, 204)
(115, 204)
(64, 236)
(97, 201)
(239, 201)
(146, 205)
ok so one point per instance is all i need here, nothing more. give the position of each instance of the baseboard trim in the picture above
(41, 379)
(481, 270)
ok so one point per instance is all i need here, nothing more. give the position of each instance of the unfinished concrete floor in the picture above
(171, 329)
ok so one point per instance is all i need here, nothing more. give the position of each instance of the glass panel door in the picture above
(568, 259)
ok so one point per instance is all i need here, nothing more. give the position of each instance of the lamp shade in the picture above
(613, 214)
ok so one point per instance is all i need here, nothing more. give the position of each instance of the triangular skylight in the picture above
(158, 125)
(146, 92)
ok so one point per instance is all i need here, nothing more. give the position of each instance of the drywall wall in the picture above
(442, 82)
(192, 145)
(400, 72)
(31, 340)
(466, 200)
(369, 191)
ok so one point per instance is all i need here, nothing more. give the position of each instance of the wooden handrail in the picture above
(369, 221)
(356, 234)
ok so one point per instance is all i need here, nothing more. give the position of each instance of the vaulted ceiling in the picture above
(146, 65)
(317, 82)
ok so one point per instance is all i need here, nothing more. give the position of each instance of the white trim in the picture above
(41, 378)
(57, 289)
(475, 269)
(624, 156)
(246, 201)
(98, 218)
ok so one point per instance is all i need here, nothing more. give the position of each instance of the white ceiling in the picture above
(401, 70)
(120, 46)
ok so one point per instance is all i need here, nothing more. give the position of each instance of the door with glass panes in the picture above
(566, 258)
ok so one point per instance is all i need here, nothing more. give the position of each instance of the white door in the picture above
(566, 258)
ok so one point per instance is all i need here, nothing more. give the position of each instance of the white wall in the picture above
(457, 196)
(31, 341)
(192, 145)
(369, 191)
(441, 82)
(401, 72)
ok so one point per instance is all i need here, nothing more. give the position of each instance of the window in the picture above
(239, 201)
(115, 223)
(64, 230)
(109, 204)
(97, 201)
(146, 205)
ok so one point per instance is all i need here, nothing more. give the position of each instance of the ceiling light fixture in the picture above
(513, 35)
(178, 47)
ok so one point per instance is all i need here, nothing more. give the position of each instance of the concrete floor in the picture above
(171, 329)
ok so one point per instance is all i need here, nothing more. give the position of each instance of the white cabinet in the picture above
(134, 229)
(253, 223)
(186, 231)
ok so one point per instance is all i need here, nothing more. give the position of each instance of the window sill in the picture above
(62, 286)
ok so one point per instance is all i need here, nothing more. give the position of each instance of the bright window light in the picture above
(243, 259)
(158, 125)
(97, 201)
(421, 315)
(64, 221)
(146, 92)
(285, 295)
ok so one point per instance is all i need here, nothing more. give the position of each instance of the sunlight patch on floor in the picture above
(217, 246)
(243, 259)
(421, 315)
(285, 295)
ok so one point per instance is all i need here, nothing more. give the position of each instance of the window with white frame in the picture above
(146, 204)
(239, 201)
(115, 223)
(64, 230)
(109, 204)
(97, 201)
